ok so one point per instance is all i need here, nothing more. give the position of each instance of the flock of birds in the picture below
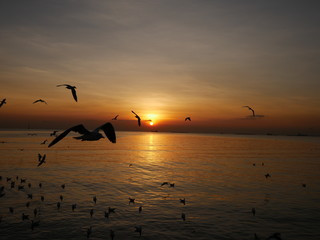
(94, 135)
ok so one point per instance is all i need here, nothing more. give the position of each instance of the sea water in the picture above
(221, 177)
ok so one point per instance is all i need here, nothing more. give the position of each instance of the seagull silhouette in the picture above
(54, 133)
(3, 102)
(115, 118)
(87, 135)
(73, 90)
(187, 118)
(42, 160)
(250, 110)
(137, 117)
(40, 100)
(44, 142)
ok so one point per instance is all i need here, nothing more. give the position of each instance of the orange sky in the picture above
(171, 59)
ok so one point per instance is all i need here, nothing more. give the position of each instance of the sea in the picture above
(181, 185)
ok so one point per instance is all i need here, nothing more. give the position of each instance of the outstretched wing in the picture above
(62, 85)
(79, 128)
(74, 94)
(109, 131)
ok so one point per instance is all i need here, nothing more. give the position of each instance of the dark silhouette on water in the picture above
(87, 135)
(42, 160)
(137, 117)
(250, 110)
(3, 102)
(73, 90)
(39, 100)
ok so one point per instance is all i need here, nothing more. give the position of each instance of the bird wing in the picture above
(39, 157)
(109, 131)
(36, 101)
(134, 113)
(74, 94)
(62, 85)
(139, 121)
(79, 128)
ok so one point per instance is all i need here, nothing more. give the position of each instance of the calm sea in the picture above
(221, 177)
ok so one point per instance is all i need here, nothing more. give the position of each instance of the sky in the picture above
(164, 59)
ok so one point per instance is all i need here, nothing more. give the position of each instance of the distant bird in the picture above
(20, 187)
(164, 183)
(140, 209)
(267, 175)
(187, 118)
(35, 211)
(137, 117)
(29, 195)
(106, 214)
(183, 201)
(304, 185)
(24, 216)
(87, 135)
(253, 210)
(58, 205)
(131, 200)
(275, 236)
(74, 206)
(73, 90)
(40, 185)
(54, 133)
(91, 212)
(63, 186)
(29, 185)
(138, 229)
(111, 210)
(111, 234)
(42, 198)
(61, 198)
(3, 102)
(43, 158)
(95, 199)
(44, 142)
(40, 100)
(22, 180)
(115, 118)
(34, 224)
(171, 185)
(89, 231)
(250, 110)
(183, 216)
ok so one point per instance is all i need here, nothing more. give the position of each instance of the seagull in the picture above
(40, 100)
(34, 224)
(164, 183)
(183, 216)
(183, 201)
(74, 206)
(111, 210)
(138, 229)
(43, 158)
(267, 175)
(61, 198)
(253, 210)
(131, 200)
(54, 133)
(187, 118)
(63, 186)
(91, 212)
(171, 185)
(140, 209)
(73, 90)
(250, 110)
(115, 118)
(44, 142)
(87, 135)
(3, 102)
(111, 234)
(95, 199)
(137, 117)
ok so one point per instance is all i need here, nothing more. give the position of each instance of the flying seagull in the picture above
(40, 100)
(187, 118)
(250, 110)
(115, 118)
(73, 90)
(137, 117)
(87, 135)
(54, 133)
(3, 102)
(41, 159)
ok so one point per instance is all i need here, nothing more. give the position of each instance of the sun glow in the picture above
(151, 123)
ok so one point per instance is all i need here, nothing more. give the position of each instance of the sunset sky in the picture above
(165, 60)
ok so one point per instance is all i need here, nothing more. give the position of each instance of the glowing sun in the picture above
(151, 123)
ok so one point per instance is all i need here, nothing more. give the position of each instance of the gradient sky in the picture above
(164, 59)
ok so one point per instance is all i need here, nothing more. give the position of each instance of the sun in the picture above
(151, 123)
